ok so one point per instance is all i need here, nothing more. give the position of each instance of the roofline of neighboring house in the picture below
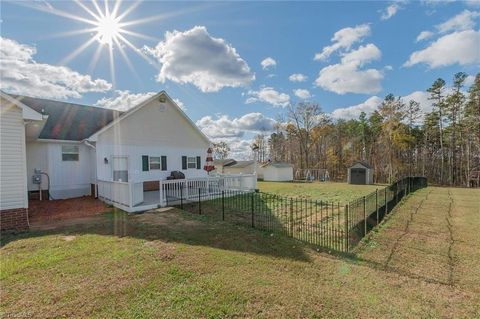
(94, 136)
(28, 113)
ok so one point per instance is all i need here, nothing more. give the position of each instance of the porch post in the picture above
(160, 191)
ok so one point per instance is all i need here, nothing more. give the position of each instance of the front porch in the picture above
(132, 197)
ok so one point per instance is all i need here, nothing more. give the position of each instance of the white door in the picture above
(120, 168)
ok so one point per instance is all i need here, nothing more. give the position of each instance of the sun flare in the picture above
(108, 29)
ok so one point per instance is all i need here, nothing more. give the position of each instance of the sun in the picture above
(108, 29)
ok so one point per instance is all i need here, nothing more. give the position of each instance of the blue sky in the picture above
(208, 56)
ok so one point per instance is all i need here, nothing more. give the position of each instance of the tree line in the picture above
(397, 139)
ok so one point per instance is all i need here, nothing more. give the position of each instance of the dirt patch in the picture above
(47, 211)
(167, 217)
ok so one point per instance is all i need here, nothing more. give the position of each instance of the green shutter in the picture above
(184, 162)
(145, 167)
(199, 162)
(164, 163)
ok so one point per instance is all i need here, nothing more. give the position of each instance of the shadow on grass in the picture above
(172, 225)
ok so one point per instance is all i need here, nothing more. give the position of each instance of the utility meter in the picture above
(37, 178)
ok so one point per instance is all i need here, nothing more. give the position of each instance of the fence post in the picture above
(291, 217)
(223, 205)
(181, 196)
(252, 208)
(365, 215)
(199, 203)
(346, 228)
(376, 205)
(386, 204)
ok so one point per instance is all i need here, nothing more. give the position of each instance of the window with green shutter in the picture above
(184, 162)
(145, 167)
(164, 163)
(199, 162)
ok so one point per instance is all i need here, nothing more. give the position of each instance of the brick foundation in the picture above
(14, 219)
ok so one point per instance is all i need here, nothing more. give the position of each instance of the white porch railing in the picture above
(131, 196)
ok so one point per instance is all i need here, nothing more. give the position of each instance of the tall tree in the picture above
(437, 96)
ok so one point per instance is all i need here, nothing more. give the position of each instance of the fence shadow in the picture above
(170, 225)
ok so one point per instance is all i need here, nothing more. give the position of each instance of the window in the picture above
(70, 153)
(155, 162)
(120, 169)
(191, 162)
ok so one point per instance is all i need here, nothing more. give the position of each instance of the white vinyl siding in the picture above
(13, 189)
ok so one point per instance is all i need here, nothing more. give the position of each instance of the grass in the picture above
(326, 191)
(172, 264)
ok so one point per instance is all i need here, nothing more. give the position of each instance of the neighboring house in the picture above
(276, 172)
(80, 146)
(360, 173)
(231, 166)
(221, 163)
(15, 120)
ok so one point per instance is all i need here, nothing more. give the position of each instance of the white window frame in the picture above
(76, 151)
(159, 163)
(194, 162)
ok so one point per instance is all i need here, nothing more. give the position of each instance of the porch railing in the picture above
(129, 196)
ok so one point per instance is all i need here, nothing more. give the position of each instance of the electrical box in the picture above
(37, 179)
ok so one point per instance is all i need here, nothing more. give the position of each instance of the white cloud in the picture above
(424, 35)
(302, 93)
(462, 21)
(180, 104)
(240, 149)
(343, 39)
(123, 100)
(297, 77)
(21, 74)
(225, 127)
(196, 57)
(421, 97)
(461, 48)
(268, 63)
(469, 80)
(268, 95)
(364, 54)
(390, 11)
(354, 111)
(372, 103)
(348, 77)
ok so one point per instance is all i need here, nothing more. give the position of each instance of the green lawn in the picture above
(326, 191)
(172, 264)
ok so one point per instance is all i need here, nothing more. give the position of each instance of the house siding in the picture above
(157, 129)
(67, 178)
(13, 189)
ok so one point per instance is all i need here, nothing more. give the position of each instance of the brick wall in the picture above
(14, 219)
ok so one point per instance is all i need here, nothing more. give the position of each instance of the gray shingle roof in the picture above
(69, 121)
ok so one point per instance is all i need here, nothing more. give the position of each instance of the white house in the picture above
(75, 150)
(231, 166)
(275, 172)
(15, 120)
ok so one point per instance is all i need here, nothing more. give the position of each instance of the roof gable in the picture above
(135, 109)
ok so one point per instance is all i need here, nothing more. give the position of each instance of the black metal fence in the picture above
(327, 224)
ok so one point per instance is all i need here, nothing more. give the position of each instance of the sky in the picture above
(235, 67)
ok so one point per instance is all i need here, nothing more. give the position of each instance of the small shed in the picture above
(240, 167)
(221, 163)
(231, 166)
(360, 173)
(276, 172)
